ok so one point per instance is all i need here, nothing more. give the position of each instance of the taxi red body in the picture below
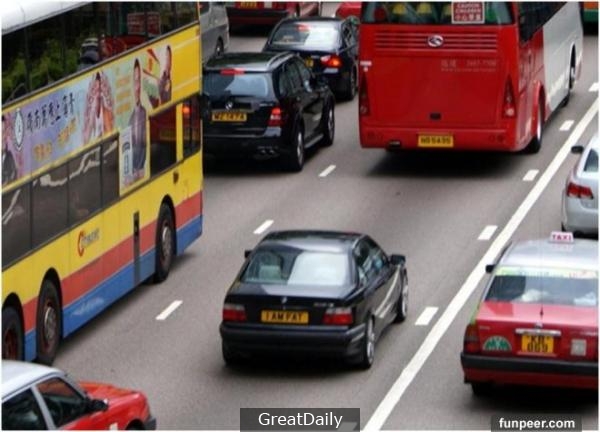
(537, 323)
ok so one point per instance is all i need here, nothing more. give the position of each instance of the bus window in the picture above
(15, 77)
(110, 172)
(49, 200)
(84, 185)
(16, 223)
(163, 152)
(45, 49)
(192, 138)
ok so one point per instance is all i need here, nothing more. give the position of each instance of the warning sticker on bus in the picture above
(468, 13)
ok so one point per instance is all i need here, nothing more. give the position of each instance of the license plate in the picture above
(439, 141)
(229, 116)
(537, 344)
(309, 62)
(250, 5)
(284, 317)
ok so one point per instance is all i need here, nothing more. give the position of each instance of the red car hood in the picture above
(106, 391)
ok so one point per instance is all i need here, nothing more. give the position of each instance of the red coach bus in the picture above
(465, 75)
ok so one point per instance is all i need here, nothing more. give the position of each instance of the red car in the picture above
(38, 397)
(537, 322)
(346, 9)
(269, 13)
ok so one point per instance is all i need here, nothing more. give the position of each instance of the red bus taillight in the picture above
(338, 316)
(234, 312)
(576, 191)
(364, 108)
(471, 340)
(276, 118)
(508, 109)
(331, 61)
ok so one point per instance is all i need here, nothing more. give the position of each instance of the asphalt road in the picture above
(430, 207)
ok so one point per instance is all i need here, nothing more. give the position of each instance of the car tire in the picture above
(328, 126)
(535, 144)
(367, 354)
(402, 305)
(481, 388)
(48, 323)
(219, 48)
(351, 87)
(12, 335)
(295, 159)
(165, 244)
(230, 357)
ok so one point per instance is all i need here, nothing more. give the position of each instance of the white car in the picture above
(580, 194)
(214, 24)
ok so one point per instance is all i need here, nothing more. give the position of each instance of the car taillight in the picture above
(364, 108)
(234, 312)
(508, 108)
(232, 71)
(471, 340)
(577, 191)
(331, 61)
(338, 316)
(276, 118)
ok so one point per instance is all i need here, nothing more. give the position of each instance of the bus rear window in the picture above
(436, 13)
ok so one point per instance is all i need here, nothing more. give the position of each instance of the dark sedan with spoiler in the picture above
(320, 293)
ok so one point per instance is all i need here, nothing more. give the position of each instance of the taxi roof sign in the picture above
(561, 237)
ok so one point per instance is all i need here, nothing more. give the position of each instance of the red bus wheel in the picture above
(48, 323)
(12, 335)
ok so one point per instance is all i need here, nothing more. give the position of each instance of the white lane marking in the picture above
(487, 232)
(261, 229)
(386, 406)
(594, 87)
(531, 175)
(169, 310)
(567, 125)
(327, 171)
(426, 316)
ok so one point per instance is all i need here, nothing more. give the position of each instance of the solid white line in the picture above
(487, 232)
(169, 310)
(261, 229)
(327, 171)
(531, 175)
(386, 406)
(426, 316)
(567, 125)
(594, 87)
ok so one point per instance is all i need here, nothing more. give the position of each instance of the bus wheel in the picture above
(12, 335)
(536, 142)
(165, 243)
(572, 73)
(48, 328)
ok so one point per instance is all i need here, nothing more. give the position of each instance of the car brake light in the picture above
(275, 120)
(332, 61)
(186, 110)
(232, 71)
(338, 316)
(363, 98)
(471, 340)
(576, 191)
(234, 312)
(508, 109)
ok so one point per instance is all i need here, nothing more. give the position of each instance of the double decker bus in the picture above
(465, 75)
(101, 159)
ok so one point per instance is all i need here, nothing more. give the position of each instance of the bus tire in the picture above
(12, 335)
(165, 244)
(571, 74)
(536, 142)
(48, 323)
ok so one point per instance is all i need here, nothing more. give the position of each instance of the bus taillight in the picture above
(364, 108)
(508, 110)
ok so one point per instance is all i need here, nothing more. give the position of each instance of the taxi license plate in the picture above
(309, 62)
(229, 116)
(439, 141)
(249, 5)
(284, 317)
(537, 344)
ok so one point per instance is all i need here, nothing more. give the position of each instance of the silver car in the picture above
(215, 29)
(580, 194)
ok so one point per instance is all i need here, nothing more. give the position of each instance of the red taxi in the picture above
(269, 13)
(537, 322)
(36, 397)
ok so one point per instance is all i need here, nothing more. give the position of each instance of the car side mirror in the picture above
(398, 259)
(490, 268)
(96, 405)
(577, 149)
(247, 253)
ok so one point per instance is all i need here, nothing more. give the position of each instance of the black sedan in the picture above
(329, 46)
(314, 292)
(265, 105)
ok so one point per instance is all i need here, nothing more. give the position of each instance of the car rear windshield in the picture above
(296, 267)
(548, 286)
(224, 84)
(300, 35)
(440, 13)
(591, 163)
